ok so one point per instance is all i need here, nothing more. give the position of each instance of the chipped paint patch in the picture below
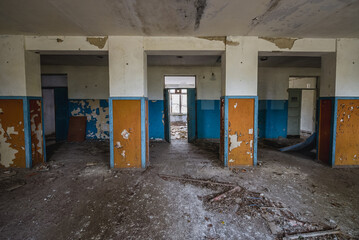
(97, 113)
(250, 131)
(281, 43)
(99, 42)
(123, 154)
(233, 142)
(125, 134)
(235, 105)
(118, 145)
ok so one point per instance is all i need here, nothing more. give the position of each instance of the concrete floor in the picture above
(79, 197)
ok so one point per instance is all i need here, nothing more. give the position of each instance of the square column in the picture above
(239, 103)
(22, 142)
(128, 103)
(338, 126)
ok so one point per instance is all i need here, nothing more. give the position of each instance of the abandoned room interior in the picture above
(197, 119)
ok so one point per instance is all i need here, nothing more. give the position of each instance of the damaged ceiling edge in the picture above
(221, 39)
(281, 42)
(99, 42)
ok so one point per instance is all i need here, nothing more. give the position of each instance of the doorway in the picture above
(302, 94)
(180, 108)
(55, 100)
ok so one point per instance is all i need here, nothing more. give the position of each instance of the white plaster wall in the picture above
(328, 75)
(206, 88)
(84, 82)
(12, 66)
(127, 67)
(274, 82)
(302, 82)
(241, 64)
(33, 74)
(347, 71)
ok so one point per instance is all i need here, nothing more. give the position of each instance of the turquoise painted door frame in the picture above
(167, 124)
(61, 113)
(191, 114)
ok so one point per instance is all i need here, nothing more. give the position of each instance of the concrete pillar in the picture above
(239, 104)
(22, 142)
(339, 105)
(128, 102)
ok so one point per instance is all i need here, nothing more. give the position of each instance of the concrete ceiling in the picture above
(271, 18)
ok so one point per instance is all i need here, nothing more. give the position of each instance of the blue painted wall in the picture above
(97, 113)
(272, 118)
(155, 118)
(208, 118)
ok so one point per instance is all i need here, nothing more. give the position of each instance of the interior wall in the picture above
(49, 111)
(208, 98)
(273, 84)
(88, 92)
(308, 111)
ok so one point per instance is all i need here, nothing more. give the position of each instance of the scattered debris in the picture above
(201, 181)
(312, 234)
(91, 164)
(42, 167)
(16, 186)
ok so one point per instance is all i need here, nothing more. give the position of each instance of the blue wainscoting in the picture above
(155, 118)
(208, 119)
(273, 118)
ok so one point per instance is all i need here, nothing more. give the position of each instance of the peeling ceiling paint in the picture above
(269, 18)
(281, 42)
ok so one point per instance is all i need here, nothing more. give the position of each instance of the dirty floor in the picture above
(184, 194)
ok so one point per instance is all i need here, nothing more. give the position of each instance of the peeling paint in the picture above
(97, 113)
(235, 105)
(250, 131)
(36, 131)
(99, 42)
(123, 154)
(125, 134)
(281, 42)
(234, 143)
(59, 40)
(118, 145)
(221, 39)
(7, 153)
(231, 43)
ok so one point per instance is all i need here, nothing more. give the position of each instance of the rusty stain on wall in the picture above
(99, 42)
(36, 131)
(12, 136)
(127, 133)
(281, 42)
(240, 132)
(347, 132)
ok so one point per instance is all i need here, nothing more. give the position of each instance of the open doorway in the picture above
(55, 100)
(180, 108)
(178, 113)
(302, 94)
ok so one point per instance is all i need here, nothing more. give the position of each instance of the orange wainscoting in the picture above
(240, 132)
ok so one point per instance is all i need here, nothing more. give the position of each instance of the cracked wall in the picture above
(97, 113)
(347, 131)
(12, 136)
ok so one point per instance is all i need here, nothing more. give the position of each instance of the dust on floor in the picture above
(77, 196)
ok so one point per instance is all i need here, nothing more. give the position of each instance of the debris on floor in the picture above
(178, 130)
(42, 167)
(248, 204)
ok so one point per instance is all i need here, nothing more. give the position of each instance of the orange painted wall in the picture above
(325, 123)
(37, 150)
(12, 133)
(127, 133)
(240, 132)
(347, 133)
